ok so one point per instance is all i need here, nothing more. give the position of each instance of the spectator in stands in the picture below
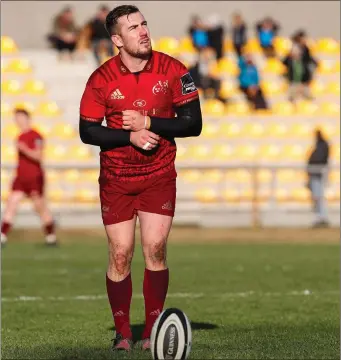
(310, 64)
(267, 30)
(202, 76)
(317, 177)
(198, 33)
(239, 35)
(297, 74)
(249, 82)
(65, 33)
(216, 35)
(101, 43)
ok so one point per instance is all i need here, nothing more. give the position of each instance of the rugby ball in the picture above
(171, 336)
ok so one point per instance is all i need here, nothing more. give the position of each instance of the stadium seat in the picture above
(90, 176)
(64, 131)
(230, 195)
(283, 108)
(290, 176)
(210, 130)
(239, 176)
(4, 194)
(8, 154)
(333, 194)
(53, 176)
(48, 109)
(43, 128)
(228, 89)
(86, 195)
(239, 108)
(186, 46)
(168, 45)
(317, 87)
(271, 88)
(336, 67)
(333, 88)
(282, 46)
(328, 46)
(56, 153)
(34, 87)
(11, 87)
(213, 107)
(264, 176)
(276, 129)
(246, 152)
(230, 130)
(306, 108)
(20, 66)
(281, 194)
(8, 46)
(274, 66)
(301, 194)
(206, 195)
(325, 67)
(294, 153)
(212, 176)
(253, 130)
(227, 46)
(56, 194)
(269, 152)
(223, 152)
(335, 152)
(200, 152)
(252, 46)
(72, 176)
(190, 176)
(80, 152)
(301, 130)
(181, 152)
(6, 109)
(334, 176)
(227, 66)
(10, 131)
(330, 108)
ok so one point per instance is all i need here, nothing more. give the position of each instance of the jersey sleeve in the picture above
(92, 106)
(38, 140)
(183, 87)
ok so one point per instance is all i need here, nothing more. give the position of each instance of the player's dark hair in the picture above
(22, 111)
(115, 14)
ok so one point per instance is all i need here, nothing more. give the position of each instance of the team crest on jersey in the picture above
(161, 87)
(139, 103)
(187, 84)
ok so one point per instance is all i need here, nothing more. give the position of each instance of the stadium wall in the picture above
(28, 22)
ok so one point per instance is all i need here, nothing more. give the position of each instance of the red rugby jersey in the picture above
(28, 168)
(163, 84)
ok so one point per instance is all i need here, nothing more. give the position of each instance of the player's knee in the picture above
(156, 253)
(120, 261)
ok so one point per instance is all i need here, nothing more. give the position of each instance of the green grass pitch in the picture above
(245, 298)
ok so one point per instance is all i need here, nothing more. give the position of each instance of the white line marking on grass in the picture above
(175, 295)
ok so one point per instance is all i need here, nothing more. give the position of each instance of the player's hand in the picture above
(133, 120)
(144, 139)
(22, 146)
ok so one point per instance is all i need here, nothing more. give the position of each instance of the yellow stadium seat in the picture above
(186, 46)
(6, 109)
(294, 153)
(269, 152)
(64, 131)
(253, 130)
(335, 152)
(227, 66)
(210, 130)
(276, 130)
(239, 108)
(283, 108)
(11, 131)
(330, 130)
(5, 176)
(317, 87)
(90, 176)
(246, 152)
(230, 195)
(56, 153)
(334, 88)
(34, 87)
(228, 89)
(20, 66)
(333, 194)
(281, 194)
(274, 66)
(213, 176)
(181, 152)
(334, 176)
(264, 175)
(8, 46)
(43, 129)
(252, 46)
(206, 195)
(48, 109)
(274, 87)
(325, 67)
(27, 105)
(8, 153)
(80, 152)
(336, 67)
(230, 130)
(168, 45)
(227, 46)
(301, 194)
(200, 152)
(213, 107)
(56, 194)
(72, 176)
(301, 130)
(306, 108)
(331, 109)
(190, 176)
(222, 152)
(88, 195)
(328, 46)
(282, 45)
(53, 176)
(4, 194)
(11, 87)
(239, 176)
(289, 176)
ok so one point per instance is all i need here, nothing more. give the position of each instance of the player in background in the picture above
(29, 179)
(139, 92)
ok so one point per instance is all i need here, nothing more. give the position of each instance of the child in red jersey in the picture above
(29, 179)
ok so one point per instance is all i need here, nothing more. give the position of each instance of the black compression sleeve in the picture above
(93, 133)
(187, 123)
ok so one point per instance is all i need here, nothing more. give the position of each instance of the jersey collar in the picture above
(125, 71)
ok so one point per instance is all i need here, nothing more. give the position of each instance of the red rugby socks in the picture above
(119, 294)
(49, 228)
(5, 228)
(155, 286)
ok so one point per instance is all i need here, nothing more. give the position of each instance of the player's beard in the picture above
(140, 52)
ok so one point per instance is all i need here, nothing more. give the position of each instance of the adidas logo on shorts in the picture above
(167, 206)
(117, 95)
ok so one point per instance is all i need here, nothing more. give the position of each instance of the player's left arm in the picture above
(35, 154)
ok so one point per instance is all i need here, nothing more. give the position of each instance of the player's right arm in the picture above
(92, 112)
